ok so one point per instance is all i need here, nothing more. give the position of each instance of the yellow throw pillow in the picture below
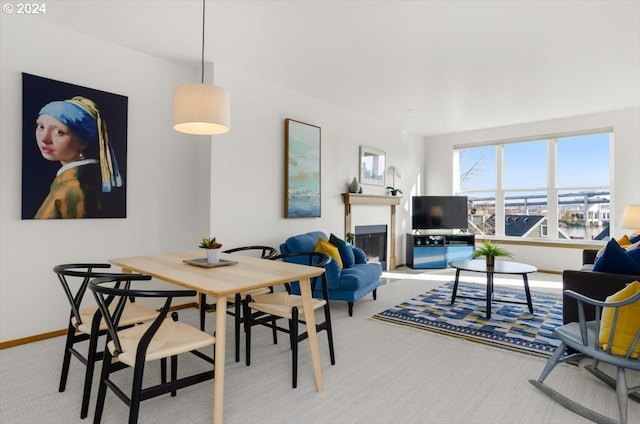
(324, 246)
(624, 241)
(628, 323)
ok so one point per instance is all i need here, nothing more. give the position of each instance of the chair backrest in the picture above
(265, 252)
(117, 288)
(311, 259)
(85, 272)
(302, 242)
(307, 243)
(616, 329)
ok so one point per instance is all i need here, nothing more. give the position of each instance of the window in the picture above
(554, 188)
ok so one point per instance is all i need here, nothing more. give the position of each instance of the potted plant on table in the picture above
(490, 250)
(213, 249)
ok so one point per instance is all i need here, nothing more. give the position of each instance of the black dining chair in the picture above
(285, 305)
(135, 346)
(87, 323)
(234, 303)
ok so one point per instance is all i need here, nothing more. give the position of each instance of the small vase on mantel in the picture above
(354, 187)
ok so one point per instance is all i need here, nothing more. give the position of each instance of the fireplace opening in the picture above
(373, 240)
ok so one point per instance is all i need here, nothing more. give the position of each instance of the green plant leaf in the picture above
(490, 249)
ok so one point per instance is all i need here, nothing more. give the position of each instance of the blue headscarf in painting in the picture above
(84, 119)
(74, 117)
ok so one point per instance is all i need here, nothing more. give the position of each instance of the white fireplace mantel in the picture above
(373, 199)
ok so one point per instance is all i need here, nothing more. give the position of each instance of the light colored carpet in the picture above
(383, 374)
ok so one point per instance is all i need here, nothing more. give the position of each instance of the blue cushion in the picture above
(634, 254)
(304, 242)
(634, 239)
(332, 272)
(616, 260)
(360, 256)
(355, 277)
(346, 252)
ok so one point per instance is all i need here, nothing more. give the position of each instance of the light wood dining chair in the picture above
(87, 323)
(134, 347)
(234, 304)
(262, 309)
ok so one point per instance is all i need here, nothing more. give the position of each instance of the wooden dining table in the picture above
(247, 273)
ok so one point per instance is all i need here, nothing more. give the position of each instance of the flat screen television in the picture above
(439, 212)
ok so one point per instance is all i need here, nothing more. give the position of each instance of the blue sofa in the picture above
(351, 283)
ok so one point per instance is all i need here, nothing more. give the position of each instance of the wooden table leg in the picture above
(218, 387)
(309, 316)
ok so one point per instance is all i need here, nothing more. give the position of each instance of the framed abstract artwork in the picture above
(372, 166)
(74, 151)
(302, 169)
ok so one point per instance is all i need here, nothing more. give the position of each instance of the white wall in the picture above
(625, 170)
(171, 204)
(248, 163)
(162, 166)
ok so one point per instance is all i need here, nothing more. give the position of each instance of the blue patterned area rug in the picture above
(511, 326)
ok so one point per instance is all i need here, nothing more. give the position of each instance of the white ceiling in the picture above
(428, 67)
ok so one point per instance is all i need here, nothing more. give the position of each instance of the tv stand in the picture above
(426, 251)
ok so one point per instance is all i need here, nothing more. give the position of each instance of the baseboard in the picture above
(57, 333)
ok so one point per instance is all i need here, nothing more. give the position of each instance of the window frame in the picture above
(551, 189)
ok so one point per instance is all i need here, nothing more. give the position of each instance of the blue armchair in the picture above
(351, 282)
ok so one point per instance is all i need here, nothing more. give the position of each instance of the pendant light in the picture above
(201, 109)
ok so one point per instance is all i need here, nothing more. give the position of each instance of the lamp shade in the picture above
(201, 109)
(631, 217)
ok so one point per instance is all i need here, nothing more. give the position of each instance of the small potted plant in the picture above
(213, 249)
(395, 172)
(394, 191)
(350, 238)
(490, 251)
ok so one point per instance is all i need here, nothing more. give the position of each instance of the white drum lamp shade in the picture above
(631, 217)
(201, 109)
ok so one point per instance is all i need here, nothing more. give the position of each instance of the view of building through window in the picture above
(515, 190)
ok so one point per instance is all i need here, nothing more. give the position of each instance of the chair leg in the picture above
(66, 360)
(174, 372)
(375, 294)
(248, 318)
(350, 308)
(623, 396)
(174, 362)
(572, 405)
(102, 386)
(611, 382)
(551, 363)
(136, 392)
(274, 331)
(327, 324)
(293, 328)
(92, 357)
(203, 309)
(237, 306)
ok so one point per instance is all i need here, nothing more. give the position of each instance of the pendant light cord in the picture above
(202, 68)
